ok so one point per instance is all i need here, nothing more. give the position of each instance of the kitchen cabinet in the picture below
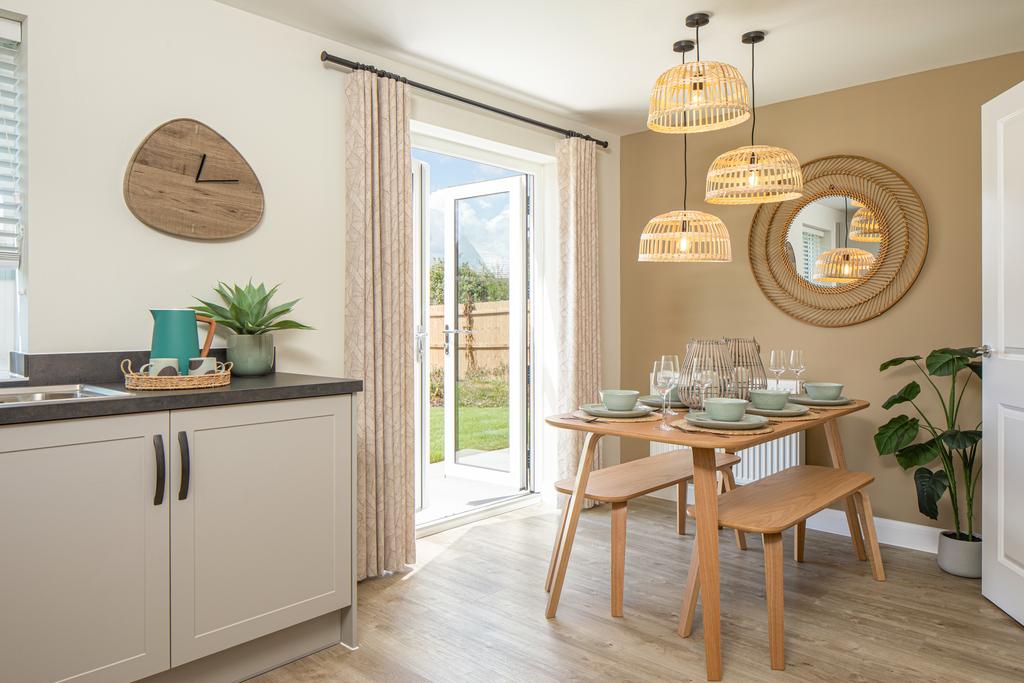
(132, 544)
(261, 526)
(84, 566)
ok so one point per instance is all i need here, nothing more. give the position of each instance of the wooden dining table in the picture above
(705, 488)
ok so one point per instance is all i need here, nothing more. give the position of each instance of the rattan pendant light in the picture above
(685, 236)
(699, 96)
(755, 174)
(864, 226)
(843, 265)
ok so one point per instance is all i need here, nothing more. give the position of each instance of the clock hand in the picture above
(202, 162)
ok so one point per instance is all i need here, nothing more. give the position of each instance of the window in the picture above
(11, 223)
(812, 240)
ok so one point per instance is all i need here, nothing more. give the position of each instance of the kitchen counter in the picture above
(273, 387)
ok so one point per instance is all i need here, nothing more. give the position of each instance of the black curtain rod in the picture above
(356, 66)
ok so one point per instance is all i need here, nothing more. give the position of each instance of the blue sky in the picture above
(483, 221)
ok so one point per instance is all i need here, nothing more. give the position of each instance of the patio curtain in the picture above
(579, 322)
(379, 317)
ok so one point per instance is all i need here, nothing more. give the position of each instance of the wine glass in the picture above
(666, 378)
(777, 365)
(796, 365)
(707, 379)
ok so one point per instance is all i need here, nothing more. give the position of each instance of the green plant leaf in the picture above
(893, 362)
(289, 325)
(245, 309)
(278, 311)
(907, 393)
(918, 454)
(945, 362)
(931, 486)
(975, 367)
(959, 439)
(897, 433)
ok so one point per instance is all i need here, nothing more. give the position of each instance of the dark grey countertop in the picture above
(273, 387)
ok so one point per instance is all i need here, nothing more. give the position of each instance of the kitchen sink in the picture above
(63, 392)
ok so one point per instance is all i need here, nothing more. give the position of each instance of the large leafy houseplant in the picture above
(246, 311)
(919, 442)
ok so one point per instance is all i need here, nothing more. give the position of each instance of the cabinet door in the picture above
(261, 536)
(83, 550)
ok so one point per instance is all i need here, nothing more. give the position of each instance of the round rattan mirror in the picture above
(873, 249)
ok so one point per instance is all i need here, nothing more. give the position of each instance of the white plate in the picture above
(598, 410)
(700, 419)
(805, 400)
(791, 410)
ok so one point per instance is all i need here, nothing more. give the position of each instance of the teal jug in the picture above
(176, 335)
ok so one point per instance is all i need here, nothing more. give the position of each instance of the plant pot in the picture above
(251, 354)
(960, 557)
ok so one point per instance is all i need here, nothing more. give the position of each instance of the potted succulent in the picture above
(919, 442)
(247, 312)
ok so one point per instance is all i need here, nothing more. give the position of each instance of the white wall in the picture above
(102, 74)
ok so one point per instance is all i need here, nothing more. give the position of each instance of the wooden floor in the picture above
(473, 610)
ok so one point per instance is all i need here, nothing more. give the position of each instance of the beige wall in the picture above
(927, 127)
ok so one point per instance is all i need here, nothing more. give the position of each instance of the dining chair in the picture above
(620, 484)
(770, 506)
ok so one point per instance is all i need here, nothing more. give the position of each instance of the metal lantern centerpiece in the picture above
(748, 370)
(707, 372)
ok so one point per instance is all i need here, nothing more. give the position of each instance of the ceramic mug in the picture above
(162, 367)
(202, 366)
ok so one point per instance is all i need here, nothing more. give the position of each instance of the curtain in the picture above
(579, 323)
(379, 317)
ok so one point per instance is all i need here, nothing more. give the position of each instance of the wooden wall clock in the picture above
(186, 179)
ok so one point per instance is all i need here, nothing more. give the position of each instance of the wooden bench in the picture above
(621, 483)
(771, 505)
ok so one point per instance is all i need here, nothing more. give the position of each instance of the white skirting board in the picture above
(890, 531)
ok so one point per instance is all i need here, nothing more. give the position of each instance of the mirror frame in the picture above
(900, 259)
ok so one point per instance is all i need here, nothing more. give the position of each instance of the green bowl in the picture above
(823, 391)
(769, 399)
(725, 409)
(619, 399)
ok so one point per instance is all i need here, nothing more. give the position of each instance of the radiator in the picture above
(763, 460)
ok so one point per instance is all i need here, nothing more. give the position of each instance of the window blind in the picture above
(11, 227)
(812, 249)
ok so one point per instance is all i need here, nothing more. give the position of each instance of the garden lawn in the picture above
(481, 429)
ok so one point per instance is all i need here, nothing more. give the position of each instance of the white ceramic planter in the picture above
(960, 558)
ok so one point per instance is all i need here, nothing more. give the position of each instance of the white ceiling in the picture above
(595, 60)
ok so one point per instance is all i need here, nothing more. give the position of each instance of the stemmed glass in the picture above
(777, 365)
(666, 378)
(796, 365)
(707, 379)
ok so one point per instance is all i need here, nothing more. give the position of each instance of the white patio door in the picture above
(1002, 138)
(484, 329)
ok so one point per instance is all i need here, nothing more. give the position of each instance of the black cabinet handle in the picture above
(186, 465)
(161, 468)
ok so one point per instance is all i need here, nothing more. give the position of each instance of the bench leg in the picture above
(835, 449)
(618, 556)
(773, 596)
(556, 548)
(688, 610)
(868, 522)
(798, 542)
(729, 481)
(682, 490)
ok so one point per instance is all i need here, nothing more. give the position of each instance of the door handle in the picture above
(448, 331)
(420, 337)
(985, 350)
(186, 465)
(161, 468)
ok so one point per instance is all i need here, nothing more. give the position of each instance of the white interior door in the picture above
(485, 232)
(1003, 332)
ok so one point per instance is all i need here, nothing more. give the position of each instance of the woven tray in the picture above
(810, 415)
(653, 417)
(143, 382)
(685, 426)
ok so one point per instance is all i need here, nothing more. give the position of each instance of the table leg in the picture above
(835, 448)
(573, 507)
(554, 551)
(730, 485)
(618, 555)
(705, 494)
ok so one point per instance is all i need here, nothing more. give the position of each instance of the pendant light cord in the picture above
(753, 108)
(686, 175)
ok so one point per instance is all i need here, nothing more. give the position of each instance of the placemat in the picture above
(685, 426)
(653, 417)
(793, 418)
(813, 408)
